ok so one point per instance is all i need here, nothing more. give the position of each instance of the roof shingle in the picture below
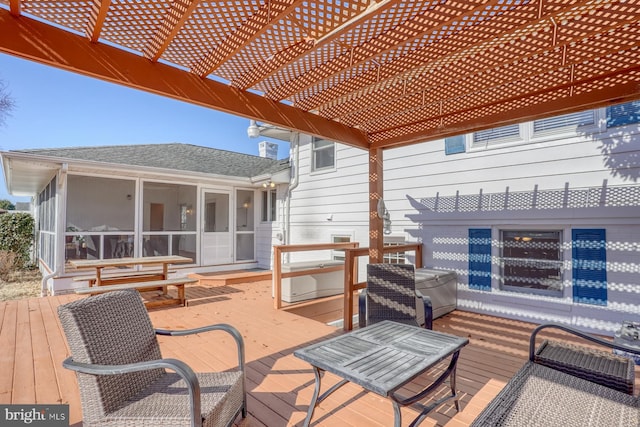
(171, 156)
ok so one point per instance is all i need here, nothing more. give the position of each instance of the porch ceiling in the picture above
(365, 73)
(27, 177)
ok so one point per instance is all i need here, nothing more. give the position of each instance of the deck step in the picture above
(233, 277)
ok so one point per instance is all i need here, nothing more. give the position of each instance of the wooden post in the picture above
(277, 277)
(376, 238)
(418, 260)
(350, 275)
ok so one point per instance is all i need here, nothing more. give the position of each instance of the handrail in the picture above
(352, 252)
(278, 250)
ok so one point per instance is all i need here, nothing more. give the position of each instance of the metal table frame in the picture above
(382, 358)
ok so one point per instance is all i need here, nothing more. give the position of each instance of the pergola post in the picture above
(376, 239)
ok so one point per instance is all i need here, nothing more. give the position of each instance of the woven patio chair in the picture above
(123, 378)
(592, 364)
(391, 295)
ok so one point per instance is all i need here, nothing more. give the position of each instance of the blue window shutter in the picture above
(454, 145)
(589, 255)
(480, 258)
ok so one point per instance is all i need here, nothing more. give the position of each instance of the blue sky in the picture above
(56, 108)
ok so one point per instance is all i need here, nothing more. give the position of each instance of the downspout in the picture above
(295, 155)
(44, 289)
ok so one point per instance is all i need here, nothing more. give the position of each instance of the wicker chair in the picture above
(391, 295)
(122, 376)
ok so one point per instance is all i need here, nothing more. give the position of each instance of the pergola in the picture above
(371, 74)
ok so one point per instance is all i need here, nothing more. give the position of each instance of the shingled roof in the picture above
(172, 156)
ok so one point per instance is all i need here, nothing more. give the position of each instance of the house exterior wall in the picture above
(332, 202)
(581, 179)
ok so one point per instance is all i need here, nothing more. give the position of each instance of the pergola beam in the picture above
(46, 44)
(607, 95)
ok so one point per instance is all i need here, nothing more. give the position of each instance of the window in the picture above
(623, 114)
(566, 122)
(454, 145)
(168, 219)
(322, 154)
(394, 257)
(45, 229)
(338, 254)
(100, 217)
(269, 200)
(485, 138)
(531, 261)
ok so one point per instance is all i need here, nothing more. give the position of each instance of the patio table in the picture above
(382, 358)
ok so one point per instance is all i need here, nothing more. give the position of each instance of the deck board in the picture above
(32, 347)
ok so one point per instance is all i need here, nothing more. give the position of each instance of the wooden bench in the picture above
(153, 285)
(123, 277)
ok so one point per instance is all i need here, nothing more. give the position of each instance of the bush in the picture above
(16, 236)
(7, 264)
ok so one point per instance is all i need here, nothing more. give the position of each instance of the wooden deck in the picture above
(280, 386)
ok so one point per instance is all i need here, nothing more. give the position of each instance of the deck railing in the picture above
(278, 275)
(352, 253)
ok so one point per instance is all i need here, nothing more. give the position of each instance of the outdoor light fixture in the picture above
(269, 184)
(253, 131)
(384, 214)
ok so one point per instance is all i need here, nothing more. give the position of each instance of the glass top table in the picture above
(382, 358)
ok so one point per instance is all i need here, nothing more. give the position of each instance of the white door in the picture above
(217, 243)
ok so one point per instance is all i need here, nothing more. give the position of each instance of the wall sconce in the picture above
(269, 184)
(383, 214)
(189, 210)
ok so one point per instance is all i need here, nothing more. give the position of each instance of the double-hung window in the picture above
(323, 155)
(531, 261)
(269, 211)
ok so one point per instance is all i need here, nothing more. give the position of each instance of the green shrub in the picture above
(16, 235)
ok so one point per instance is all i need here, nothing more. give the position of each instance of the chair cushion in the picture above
(166, 402)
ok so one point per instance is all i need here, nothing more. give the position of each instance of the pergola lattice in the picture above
(370, 74)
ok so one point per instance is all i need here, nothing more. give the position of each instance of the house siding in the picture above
(331, 202)
(561, 181)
